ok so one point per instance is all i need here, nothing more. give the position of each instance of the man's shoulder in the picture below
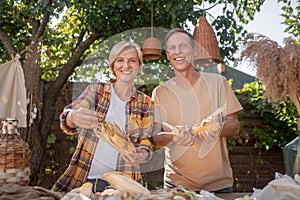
(209, 75)
(163, 88)
(164, 85)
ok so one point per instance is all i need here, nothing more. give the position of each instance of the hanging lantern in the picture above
(207, 52)
(151, 47)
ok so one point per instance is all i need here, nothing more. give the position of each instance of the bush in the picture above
(279, 120)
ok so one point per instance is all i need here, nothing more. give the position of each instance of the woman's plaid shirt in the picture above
(139, 125)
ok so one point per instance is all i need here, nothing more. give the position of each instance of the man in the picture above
(196, 161)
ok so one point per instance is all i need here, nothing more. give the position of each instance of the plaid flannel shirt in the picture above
(139, 125)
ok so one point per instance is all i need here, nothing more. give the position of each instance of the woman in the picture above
(118, 102)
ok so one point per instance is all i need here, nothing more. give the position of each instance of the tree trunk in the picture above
(32, 81)
(51, 94)
(43, 98)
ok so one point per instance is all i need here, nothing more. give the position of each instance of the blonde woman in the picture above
(117, 101)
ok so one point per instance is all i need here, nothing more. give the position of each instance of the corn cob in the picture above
(112, 134)
(194, 130)
(199, 128)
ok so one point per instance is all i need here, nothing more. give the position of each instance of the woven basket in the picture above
(207, 52)
(14, 155)
(151, 49)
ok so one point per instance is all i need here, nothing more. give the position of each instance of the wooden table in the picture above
(231, 196)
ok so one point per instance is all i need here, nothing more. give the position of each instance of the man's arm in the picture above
(160, 140)
(231, 126)
(182, 137)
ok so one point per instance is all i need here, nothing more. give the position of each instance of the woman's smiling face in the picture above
(127, 65)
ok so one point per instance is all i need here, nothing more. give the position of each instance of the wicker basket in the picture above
(207, 52)
(151, 49)
(14, 155)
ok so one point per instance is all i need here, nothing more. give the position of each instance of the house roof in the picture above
(239, 78)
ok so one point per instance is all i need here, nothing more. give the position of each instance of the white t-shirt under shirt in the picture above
(106, 157)
(187, 107)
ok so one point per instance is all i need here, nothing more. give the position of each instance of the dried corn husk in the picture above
(198, 127)
(124, 183)
(112, 134)
(81, 193)
(206, 146)
(174, 130)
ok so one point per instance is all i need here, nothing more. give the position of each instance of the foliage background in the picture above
(279, 123)
(51, 52)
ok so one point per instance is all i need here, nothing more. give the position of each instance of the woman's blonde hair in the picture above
(119, 48)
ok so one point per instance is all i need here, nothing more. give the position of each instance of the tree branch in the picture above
(80, 38)
(54, 88)
(72, 62)
(40, 26)
(7, 43)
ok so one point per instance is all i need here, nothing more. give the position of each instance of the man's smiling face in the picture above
(180, 51)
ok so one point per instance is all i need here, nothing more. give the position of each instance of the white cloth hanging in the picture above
(13, 92)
